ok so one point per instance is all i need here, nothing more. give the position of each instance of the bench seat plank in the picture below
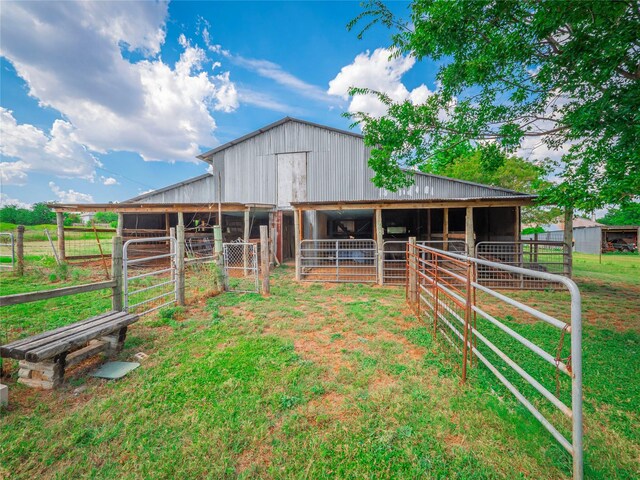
(79, 339)
(48, 344)
(46, 334)
(31, 345)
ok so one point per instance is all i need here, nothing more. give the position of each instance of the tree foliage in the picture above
(556, 72)
(38, 214)
(628, 214)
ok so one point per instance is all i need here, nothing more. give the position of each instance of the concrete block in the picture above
(4, 395)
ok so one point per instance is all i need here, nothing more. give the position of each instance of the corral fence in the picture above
(395, 258)
(348, 260)
(7, 251)
(150, 274)
(492, 327)
(542, 256)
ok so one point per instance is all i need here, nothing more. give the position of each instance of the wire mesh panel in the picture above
(512, 339)
(7, 251)
(348, 260)
(541, 256)
(241, 267)
(202, 273)
(149, 271)
(395, 260)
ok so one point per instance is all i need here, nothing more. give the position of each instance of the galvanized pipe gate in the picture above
(154, 278)
(444, 290)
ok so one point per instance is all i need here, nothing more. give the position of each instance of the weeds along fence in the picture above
(495, 329)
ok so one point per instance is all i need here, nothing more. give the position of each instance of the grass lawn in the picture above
(325, 381)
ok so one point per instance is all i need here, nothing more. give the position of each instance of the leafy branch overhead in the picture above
(548, 73)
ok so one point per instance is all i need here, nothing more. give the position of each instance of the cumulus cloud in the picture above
(57, 151)
(109, 181)
(70, 196)
(7, 200)
(73, 57)
(381, 71)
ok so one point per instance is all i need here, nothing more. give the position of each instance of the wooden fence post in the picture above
(116, 274)
(180, 247)
(61, 247)
(379, 245)
(264, 258)
(568, 240)
(413, 274)
(20, 250)
(217, 248)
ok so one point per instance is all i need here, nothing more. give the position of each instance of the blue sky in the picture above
(102, 101)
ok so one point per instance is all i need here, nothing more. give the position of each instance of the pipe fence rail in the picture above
(445, 290)
(149, 274)
(348, 260)
(538, 255)
(395, 258)
(7, 251)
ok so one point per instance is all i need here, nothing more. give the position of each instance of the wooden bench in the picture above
(44, 357)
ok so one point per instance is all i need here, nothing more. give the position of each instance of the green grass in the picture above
(327, 381)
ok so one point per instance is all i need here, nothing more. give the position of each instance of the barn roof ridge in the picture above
(282, 121)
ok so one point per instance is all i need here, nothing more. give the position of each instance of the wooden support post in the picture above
(413, 273)
(429, 225)
(120, 226)
(264, 258)
(469, 233)
(116, 274)
(445, 230)
(297, 225)
(20, 250)
(568, 240)
(180, 249)
(380, 244)
(61, 249)
(167, 224)
(247, 236)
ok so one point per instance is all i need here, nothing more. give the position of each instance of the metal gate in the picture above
(394, 270)
(7, 250)
(241, 267)
(538, 255)
(480, 322)
(349, 260)
(149, 274)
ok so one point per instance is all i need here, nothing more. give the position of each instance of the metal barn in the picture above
(311, 184)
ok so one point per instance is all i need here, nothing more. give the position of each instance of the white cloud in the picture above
(270, 70)
(109, 181)
(57, 152)
(6, 200)
(73, 57)
(70, 196)
(381, 71)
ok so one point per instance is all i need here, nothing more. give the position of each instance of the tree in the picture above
(555, 71)
(38, 214)
(628, 214)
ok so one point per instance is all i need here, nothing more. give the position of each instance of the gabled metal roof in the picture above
(205, 156)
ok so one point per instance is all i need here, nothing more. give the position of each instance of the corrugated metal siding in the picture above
(337, 170)
(200, 191)
(587, 240)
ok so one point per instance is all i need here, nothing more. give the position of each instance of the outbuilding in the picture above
(312, 183)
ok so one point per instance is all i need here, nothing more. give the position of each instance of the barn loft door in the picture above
(292, 178)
